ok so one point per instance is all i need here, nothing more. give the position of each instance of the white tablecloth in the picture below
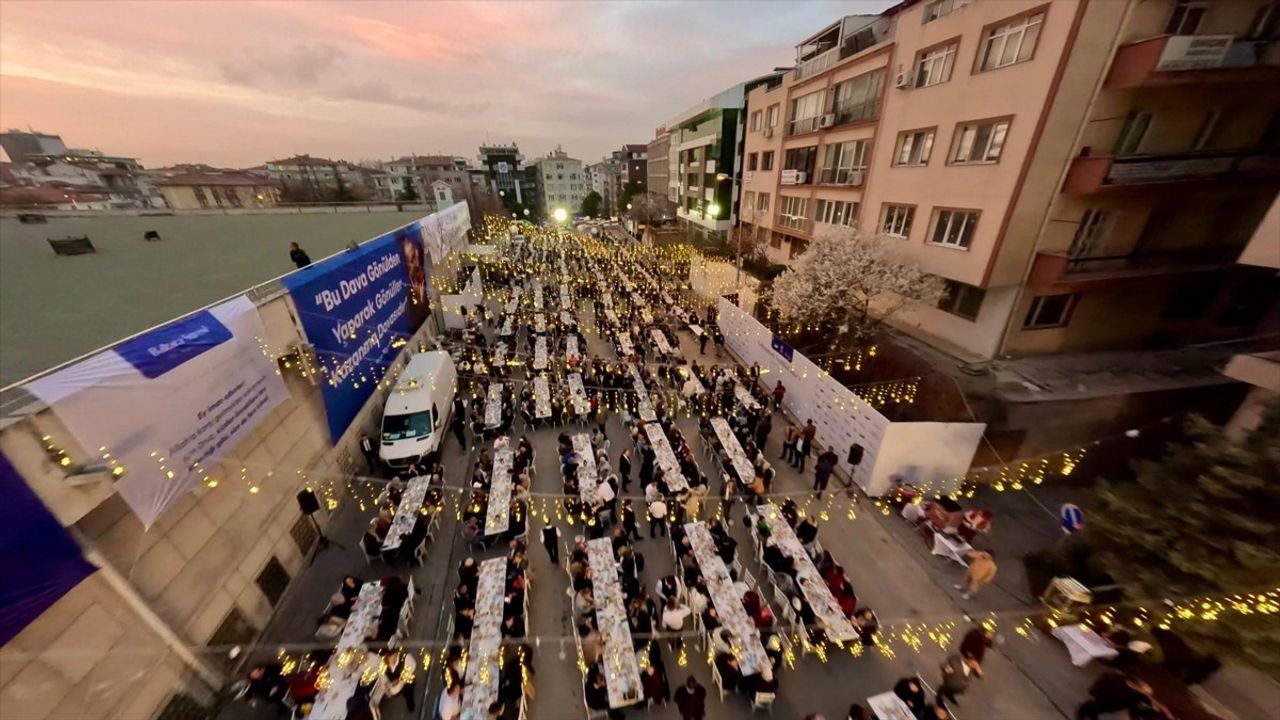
(566, 319)
(887, 706)
(578, 394)
(666, 458)
(951, 547)
(660, 341)
(499, 354)
(541, 397)
(728, 603)
(537, 295)
(540, 353)
(540, 323)
(646, 316)
(737, 458)
(571, 347)
(696, 330)
(745, 397)
(498, 511)
(644, 408)
(811, 584)
(1084, 644)
(493, 406)
(486, 639)
(342, 673)
(407, 513)
(621, 671)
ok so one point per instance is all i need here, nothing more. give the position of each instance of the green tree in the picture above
(409, 194)
(632, 189)
(1202, 520)
(591, 204)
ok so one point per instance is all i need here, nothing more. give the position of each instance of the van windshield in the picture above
(407, 426)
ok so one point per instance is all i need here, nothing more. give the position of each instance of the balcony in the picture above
(1057, 268)
(1090, 173)
(812, 59)
(1175, 59)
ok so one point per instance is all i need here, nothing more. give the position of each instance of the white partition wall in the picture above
(939, 453)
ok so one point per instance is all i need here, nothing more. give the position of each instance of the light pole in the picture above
(737, 280)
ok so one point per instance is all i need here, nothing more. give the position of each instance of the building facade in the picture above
(605, 178)
(1052, 161)
(304, 178)
(503, 166)
(561, 182)
(217, 189)
(635, 166)
(21, 145)
(658, 165)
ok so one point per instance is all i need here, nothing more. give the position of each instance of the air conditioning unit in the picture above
(768, 132)
(902, 80)
(827, 120)
(802, 178)
(855, 177)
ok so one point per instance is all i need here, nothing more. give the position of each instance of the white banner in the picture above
(452, 306)
(169, 404)
(938, 454)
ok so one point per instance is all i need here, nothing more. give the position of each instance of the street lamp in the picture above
(737, 282)
(560, 214)
(526, 212)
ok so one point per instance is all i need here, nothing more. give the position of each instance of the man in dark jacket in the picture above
(298, 255)
(691, 700)
(822, 473)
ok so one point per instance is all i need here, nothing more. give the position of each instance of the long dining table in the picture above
(644, 407)
(588, 471)
(483, 666)
(342, 672)
(666, 457)
(540, 355)
(728, 603)
(541, 397)
(498, 506)
(737, 458)
(578, 394)
(621, 669)
(407, 512)
(493, 406)
(815, 589)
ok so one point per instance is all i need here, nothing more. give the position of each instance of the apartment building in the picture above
(1084, 174)
(658, 165)
(605, 177)
(216, 189)
(503, 168)
(635, 165)
(561, 182)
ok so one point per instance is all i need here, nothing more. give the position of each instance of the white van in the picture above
(416, 416)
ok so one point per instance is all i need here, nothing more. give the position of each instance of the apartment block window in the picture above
(858, 99)
(1208, 132)
(1132, 132)
(791, 212)
(755, 121)
(940, 8)
(766, 160)
(913, 148)
(844, 163)
(954, 228)
(1050, 311)
(980, 142)
(897, 220)
(805, 112)
(1090, 232)
(693, 181)
(749, 200)
(762, 202)
(961, 299)
(233, 197)
(1011, 43)
(802, 160)
(200, 196)
(752, 160)
(935, 66)
(1265, 22)
(771, 116)
(835, 212)
(1186, 17)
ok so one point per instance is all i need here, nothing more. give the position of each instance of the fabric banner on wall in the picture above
(170, 403)
(39, 561)
(446, 231)
(353, 307)
(938, 454)
(452, 305)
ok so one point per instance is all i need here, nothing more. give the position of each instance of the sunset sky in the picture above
(236, 84)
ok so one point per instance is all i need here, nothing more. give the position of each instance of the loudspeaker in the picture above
(855, 454)
(308, 503)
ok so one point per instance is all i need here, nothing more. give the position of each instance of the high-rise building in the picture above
(658, 166)
(20, 145)
(1083, 175)
(635, 165)
(502, 165)
(561, 182)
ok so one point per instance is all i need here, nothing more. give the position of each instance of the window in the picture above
(771, 116)
(897, 220)
(954, 228)
(1208, 131)
(980, 142)
(791, 212)
(935, 66)
(200, 196)
(762, 202)
(751, 160)
(1186, 16)
(913, 148)
(693, 181)
(1091, 230)
(1013, 42)
(766, 161)
(1265, 20)
(940, 8)
(843, 163)
(755, 120)
(1132, 132)
(775, 240)
(805, 111)
(835, 212)
(961, 299)
(749, 200)
(801, 160)
(1050, 311)
(858, 99)
(233, 197)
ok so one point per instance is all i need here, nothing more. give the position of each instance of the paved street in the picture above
(890, 566)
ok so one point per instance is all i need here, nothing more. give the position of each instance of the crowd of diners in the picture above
(476, 508)
(389, 504)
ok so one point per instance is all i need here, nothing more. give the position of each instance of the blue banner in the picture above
(39, 561)
(353, 307)
(165, 348)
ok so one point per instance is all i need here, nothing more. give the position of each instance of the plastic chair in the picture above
(763, 701)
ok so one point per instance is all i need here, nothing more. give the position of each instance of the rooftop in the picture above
(53, 309)
(232, 179)
(302, 160)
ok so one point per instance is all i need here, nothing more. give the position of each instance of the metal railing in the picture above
(1154, 260)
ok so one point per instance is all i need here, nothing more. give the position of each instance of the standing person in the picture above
(805, 445)
(719, 342)
(702, 342)
(458, 424)
(691, 700)
(657, 516)
(763, 428)
(624, 468)
(370, 455)
(956, 672)
(298, 255)
(982, 570)
(399, 667)
(779, 391)
(974, 645)
(551, 541)
(629, 527)
(789, 443)
(822, 474)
